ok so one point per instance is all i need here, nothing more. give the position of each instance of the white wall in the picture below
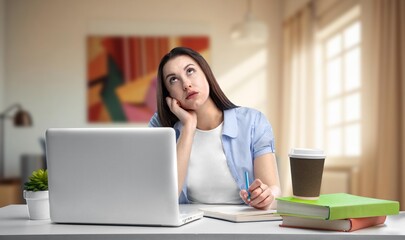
(46, 66)
(2, 34)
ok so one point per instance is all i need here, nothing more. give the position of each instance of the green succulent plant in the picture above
(38, 181)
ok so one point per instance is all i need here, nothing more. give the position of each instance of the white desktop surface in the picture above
(14, 224)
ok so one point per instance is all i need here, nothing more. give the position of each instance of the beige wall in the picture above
(2, 24)
(45, 57)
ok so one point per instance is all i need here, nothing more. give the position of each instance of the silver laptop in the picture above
(120, 176)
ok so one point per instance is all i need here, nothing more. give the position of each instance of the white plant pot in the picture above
(38, 204)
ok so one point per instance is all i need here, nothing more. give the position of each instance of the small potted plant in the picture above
(37, 196)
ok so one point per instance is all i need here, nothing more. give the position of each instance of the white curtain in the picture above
(382, 167)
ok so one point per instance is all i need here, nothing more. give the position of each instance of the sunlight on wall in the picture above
(246, 83)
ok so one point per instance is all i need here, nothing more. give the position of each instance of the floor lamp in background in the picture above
(21, 118)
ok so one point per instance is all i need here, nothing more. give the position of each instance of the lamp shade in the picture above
(22, 118)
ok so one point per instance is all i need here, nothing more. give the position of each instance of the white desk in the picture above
(14, 224)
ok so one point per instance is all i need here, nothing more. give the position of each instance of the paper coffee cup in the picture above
(306, 172)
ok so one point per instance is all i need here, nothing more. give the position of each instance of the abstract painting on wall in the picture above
(121, 74)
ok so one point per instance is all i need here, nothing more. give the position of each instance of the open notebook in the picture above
(240, 213)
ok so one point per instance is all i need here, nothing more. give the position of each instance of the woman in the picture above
(217, 141)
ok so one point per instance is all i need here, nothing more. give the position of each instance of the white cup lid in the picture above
(307, 153)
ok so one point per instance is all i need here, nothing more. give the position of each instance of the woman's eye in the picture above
(172, 80)
(190, 70)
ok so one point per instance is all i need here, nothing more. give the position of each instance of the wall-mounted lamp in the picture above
(21, 118)
(251, 30)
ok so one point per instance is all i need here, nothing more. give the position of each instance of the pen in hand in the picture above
(247, 184)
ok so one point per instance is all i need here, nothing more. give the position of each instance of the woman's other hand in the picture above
(187, 118)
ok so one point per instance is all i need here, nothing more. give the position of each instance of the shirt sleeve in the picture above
(154, 121)
(262, 136)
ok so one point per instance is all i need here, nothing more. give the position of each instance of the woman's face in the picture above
(186, 82)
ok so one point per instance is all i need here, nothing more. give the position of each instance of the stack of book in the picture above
(338, 212)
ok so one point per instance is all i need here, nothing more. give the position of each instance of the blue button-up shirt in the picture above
(246, 135)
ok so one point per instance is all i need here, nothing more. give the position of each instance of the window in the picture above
(339, 91)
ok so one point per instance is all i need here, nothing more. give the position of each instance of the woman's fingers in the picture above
(173, 104)
(187, 117)
(263, 201)
(244, 195)
(260, 195)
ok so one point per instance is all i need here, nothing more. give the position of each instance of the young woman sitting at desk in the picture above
(218, 143)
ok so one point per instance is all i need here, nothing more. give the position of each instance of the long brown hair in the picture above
(166, 117)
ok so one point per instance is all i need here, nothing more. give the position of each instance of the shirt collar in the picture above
(230, 123)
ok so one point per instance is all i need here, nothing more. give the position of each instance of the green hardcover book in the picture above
(337, 206)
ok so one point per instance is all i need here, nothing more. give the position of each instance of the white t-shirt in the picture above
(209, 179)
